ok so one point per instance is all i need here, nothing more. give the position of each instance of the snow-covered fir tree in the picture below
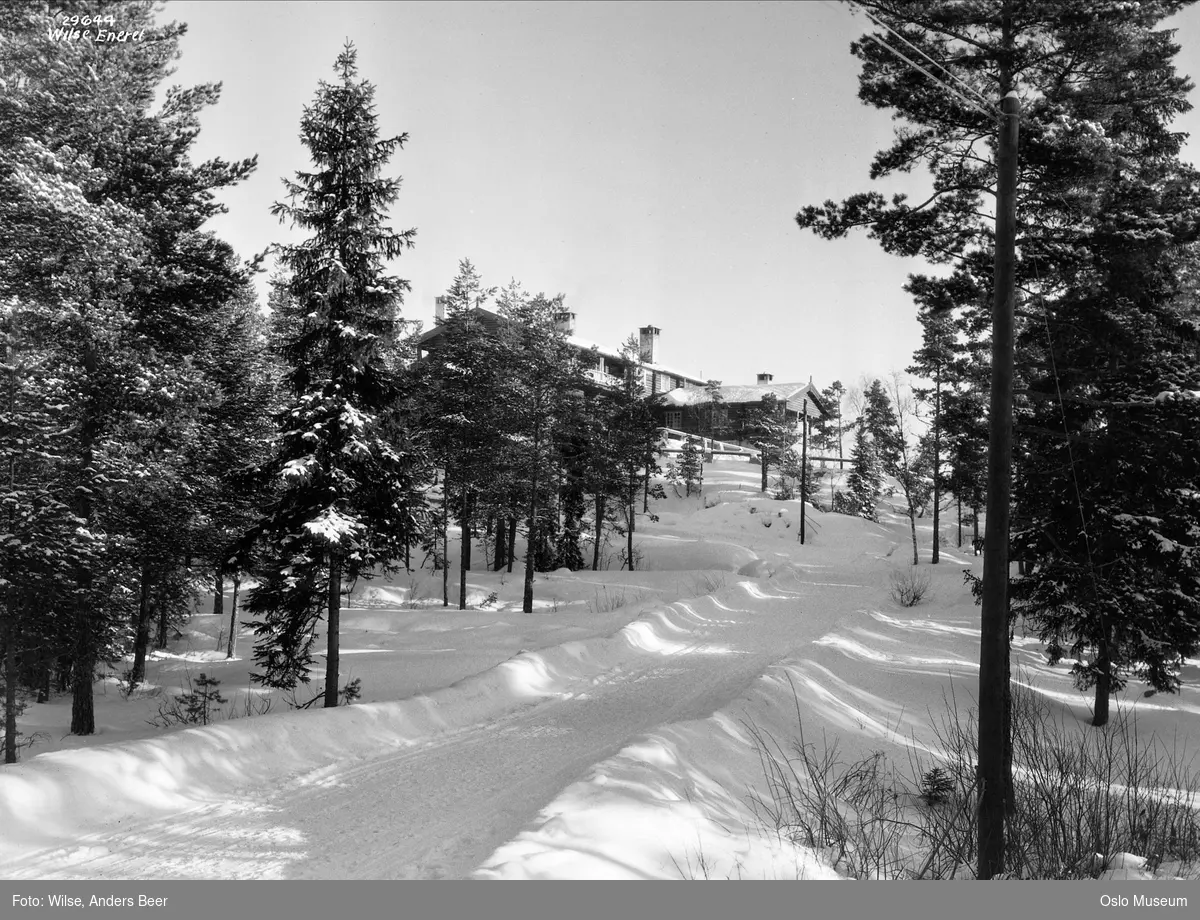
(863, 483)
(348, 500)
(690, 466)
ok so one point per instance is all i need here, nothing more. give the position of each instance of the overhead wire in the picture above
(986, 108)
(967, 86)
(966, 100)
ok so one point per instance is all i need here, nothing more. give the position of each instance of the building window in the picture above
(674, 418)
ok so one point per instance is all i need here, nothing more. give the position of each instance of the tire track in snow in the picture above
(438, 809)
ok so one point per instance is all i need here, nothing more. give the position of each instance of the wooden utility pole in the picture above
(803, 466)
(994, 764)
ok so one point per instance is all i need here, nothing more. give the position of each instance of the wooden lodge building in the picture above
(726, 417)
(687, 406)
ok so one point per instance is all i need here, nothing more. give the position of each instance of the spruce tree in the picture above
(348, 499)
(863, 483)
(690, 465)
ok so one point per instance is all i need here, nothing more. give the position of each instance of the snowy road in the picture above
(438, 809)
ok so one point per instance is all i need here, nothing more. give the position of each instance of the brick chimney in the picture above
(765, 378)
(439, 308)
(564, 321)
(648, 342)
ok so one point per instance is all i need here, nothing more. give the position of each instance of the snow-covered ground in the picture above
(605, 735)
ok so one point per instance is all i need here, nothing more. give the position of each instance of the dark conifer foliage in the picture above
(116, 288)
(348, 498)
(1107, 220)
(461, 418)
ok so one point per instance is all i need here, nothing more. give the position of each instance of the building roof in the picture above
(491, 320)
(791, 393)
(615, 354)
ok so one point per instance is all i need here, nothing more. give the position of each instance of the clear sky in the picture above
(644, 159)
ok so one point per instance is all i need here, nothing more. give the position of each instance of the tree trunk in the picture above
(45, 678)
(218, 593)
(958, 502)
(1103, 679)
(512, 540)
(164, 615)
(83, 656)
(464, 562)
(629, 561)
(599, 532)
(912, 526)
(10, 691)
(141, 631)
(489, 530)
(501, 542)
(841, 452)
(763, 456)
(803, 471)
(937, 465)
(531, 533)
(445, 543)
(231, 648)
(646, 490)
(83, 667)
(333, 622)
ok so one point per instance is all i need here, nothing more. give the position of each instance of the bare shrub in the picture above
(1081, 796)
(910, 585)
(606, 601)
(707, 583)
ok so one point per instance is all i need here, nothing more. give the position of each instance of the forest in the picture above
(162, 432)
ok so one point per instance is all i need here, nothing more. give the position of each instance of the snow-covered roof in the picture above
(585, 345)
(792, 393)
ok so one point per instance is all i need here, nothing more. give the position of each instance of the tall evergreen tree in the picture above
(543, 378)
(766, 429)
(348, 498)
(102, 217)
(863, 483)
(690, 466)
(909, 466)
(462, 418)
(879, 418)
(827, 433)
(1098, 90)
(934, 361)
(635, 432)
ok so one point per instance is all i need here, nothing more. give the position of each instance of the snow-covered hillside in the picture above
(608, 734)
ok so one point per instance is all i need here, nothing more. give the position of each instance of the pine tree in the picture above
(910, 466)
(827, 432)
(935, 361)
(102, 211)
(461, 383)
(635, 435)
(543, 380)
(1098, 91)
(348, 499)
